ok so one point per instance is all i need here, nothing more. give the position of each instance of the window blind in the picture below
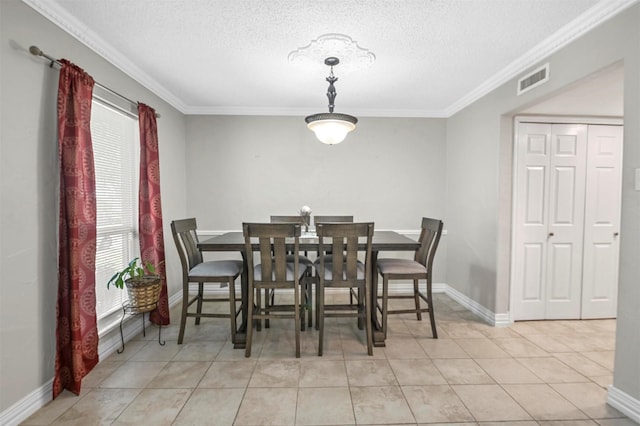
(115, 151)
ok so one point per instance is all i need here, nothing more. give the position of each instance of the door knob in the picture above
(551, 234)
(615, 234)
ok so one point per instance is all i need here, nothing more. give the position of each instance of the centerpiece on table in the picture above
(305, 213)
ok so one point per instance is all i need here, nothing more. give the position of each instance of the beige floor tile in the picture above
(442, 348)
(416, 372)
(153, 351)
(407, 348)
(462, 371)
(582, 364)
(544, 403)
(617, 422)
(604, 358)
(154, 406)
(54, 409)
(461, 330)
(552, 370)
(508, 371)
(229, 353)
(261, 406)
(180, 375)
(511, 423)
(323, 373)
(313, 406)
(588, 397)
(133, 374)
(374, 372)
(435, 404)
(198, 351)
(227, 374)
(100, 406)
(100, 372)
(422, 329)
(214, 407)
(380, 405)
(481, 348)
(520, 347)
(490, 403)
(451, 424)
(130, 349)
(548, 343)
(567, 423)
(603, 381)
(275, 374)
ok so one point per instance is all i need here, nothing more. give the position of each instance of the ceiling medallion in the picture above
(351, 56)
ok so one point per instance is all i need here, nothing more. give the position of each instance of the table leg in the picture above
(241, 333)
(376, 326)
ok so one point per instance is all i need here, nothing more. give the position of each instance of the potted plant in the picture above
(142, 282)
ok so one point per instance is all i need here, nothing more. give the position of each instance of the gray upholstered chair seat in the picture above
(213, 268)
(257, 272)
(302, 259)
(400, 267)
(328, 270)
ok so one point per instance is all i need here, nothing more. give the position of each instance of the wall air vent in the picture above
(533, 79)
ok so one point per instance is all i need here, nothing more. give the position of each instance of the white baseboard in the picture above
(28, 405)
(625, 403)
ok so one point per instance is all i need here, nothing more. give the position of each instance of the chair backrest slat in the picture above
(332, 219)
(429, 239)
(272, 246)
(344, 247)
(186, 238)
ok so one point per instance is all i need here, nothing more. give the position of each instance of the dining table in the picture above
(383, 241)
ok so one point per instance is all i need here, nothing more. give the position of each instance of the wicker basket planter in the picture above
(144, 293)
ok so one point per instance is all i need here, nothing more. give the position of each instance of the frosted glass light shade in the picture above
(331, 128)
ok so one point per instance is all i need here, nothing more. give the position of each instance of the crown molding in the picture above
(593, 17)
(60, 17)
(602, 11)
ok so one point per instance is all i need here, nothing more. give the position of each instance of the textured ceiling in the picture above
(230, 57)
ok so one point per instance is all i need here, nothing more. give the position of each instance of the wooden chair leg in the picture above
(432, 316)
(367, 309)
(185, 307)
(232, 308)
(385, 304)
(200, 296)
(320, 317)
(298, 317)
(250, 308)
(416, 298)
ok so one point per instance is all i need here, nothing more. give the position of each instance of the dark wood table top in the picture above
(382, 241)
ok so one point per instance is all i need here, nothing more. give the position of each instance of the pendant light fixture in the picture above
(331, 128)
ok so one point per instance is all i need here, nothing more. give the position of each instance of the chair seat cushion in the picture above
(257, 272)
(216, 268)
(328, 270)
(400, 266)
(302, 259)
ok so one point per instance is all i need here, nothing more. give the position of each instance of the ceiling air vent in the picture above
(534, 79)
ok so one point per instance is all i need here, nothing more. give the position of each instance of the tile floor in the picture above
(532, 373)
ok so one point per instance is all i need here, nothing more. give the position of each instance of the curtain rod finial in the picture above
(35, 50)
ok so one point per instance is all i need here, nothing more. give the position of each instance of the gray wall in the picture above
(479, 153)
(241, 168)
(28, 193)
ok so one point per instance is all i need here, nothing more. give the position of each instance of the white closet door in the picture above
(567, 174)
(602, 222)
(531, 211)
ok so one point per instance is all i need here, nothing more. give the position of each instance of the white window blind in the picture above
(116, 158)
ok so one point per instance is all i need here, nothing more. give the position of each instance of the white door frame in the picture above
(518, 119)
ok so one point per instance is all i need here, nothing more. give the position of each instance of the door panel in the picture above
(602, 222)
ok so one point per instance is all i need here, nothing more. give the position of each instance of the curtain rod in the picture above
(35, 50)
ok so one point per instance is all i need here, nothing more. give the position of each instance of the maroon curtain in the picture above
(150, 207)
(76, 325)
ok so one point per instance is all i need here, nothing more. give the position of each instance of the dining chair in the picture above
(272, 271)
(342, 269)
(420, 268)
(195, 270)
(308, 279)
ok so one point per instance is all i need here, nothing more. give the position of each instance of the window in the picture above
(116, 157)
